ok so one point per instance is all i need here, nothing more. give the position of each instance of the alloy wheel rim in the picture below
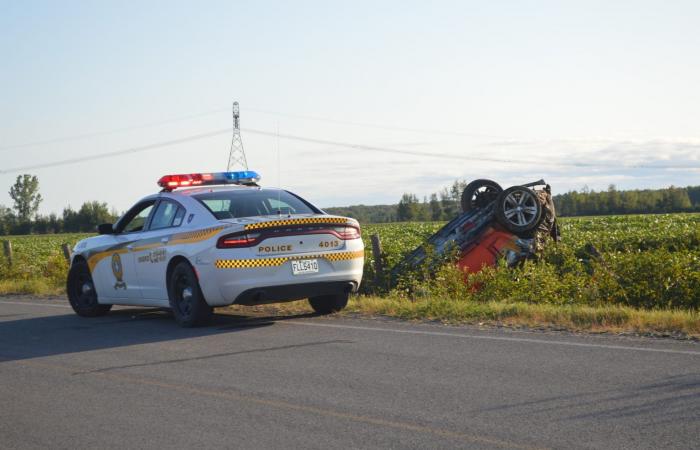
(520, 208)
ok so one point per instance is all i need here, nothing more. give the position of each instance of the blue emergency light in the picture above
(245, 177)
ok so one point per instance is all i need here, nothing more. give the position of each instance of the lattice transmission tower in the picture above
(236, 156)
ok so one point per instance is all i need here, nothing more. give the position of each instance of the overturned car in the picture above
(514, 224)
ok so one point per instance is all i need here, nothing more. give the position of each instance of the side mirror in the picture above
(105, 228)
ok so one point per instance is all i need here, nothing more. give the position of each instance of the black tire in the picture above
(186, 298)
(519, 210)
(81, 291)
(328, 304)
(479, 193)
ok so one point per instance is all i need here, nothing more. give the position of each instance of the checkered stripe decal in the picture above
(199, 235)
(274, 262)
(304, 221)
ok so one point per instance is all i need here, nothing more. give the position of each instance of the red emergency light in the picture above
(170, 182)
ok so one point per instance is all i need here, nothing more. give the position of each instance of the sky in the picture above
(580, 93)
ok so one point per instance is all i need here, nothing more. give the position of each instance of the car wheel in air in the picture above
(518, 209)
(186, 298)
(328, 304)
(81, 291)
(479, 193)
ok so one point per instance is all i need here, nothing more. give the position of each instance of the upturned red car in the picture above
(495, 223)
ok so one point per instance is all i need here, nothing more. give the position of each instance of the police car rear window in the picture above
(249, 203)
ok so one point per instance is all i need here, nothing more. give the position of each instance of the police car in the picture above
(216, 239)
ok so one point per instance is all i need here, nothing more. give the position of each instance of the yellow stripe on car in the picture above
(97, 257)
(195, 236)
(188, 237)
(278, 261)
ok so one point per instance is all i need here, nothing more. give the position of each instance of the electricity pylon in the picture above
(236, 156)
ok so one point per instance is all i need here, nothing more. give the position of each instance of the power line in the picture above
(467, 157)
(77, 137)
(116, 153)
(108, 132)
(440, 155)
(377, 126)
(424, 130)
(281, 114)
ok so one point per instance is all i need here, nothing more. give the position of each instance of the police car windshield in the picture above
(252, 202)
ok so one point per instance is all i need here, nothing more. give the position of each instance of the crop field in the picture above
(38, 265)
(650, 261)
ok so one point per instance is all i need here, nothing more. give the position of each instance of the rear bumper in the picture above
(223, 286)
(291, 292)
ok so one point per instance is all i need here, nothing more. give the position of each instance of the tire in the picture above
(328, 304)
(518, 209)
(479, 193)
(81, 291)
(186, 298)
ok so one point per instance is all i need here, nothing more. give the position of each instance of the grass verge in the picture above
(33, 286)
(592, 319)
(613, 318)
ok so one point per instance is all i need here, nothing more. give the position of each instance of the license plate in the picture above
(303, 266)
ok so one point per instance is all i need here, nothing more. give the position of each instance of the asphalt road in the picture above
(135, 379)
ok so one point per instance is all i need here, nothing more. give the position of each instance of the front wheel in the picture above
(186, 298)
(327, 304)
(518, 209)
(81, 291)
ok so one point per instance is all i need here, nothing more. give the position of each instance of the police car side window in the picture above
(136, 218)
(179, 216)
(168, 214)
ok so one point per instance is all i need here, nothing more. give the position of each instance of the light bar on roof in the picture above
(170, 182)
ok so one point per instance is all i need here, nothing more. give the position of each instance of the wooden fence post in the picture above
(66, 252)
(7, 247)
(377, 255)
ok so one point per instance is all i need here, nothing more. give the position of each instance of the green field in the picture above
(38, 267)
(648, 263)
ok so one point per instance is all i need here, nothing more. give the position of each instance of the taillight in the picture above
(347, 232)
(238, 240)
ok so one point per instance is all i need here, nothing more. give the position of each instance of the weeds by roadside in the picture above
(643, 277)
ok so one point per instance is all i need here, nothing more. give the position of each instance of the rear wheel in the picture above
(518, 209)
(81, 291)
(479, 193)
(327, 304)
(186, 299)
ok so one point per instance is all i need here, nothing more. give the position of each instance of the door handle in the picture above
(130, 247)
(165, 240)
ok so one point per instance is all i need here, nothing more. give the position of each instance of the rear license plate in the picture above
(303, 266)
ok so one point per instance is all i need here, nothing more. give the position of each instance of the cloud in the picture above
(376, 178)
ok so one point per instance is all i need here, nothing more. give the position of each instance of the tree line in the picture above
(24, 217)
(611, 201)
(439, 206)
(445, 205)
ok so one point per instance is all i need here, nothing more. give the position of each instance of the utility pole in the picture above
(236, 156)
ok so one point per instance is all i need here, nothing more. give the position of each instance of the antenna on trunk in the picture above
(279, 171)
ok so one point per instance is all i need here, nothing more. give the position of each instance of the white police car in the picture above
(220, 241)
